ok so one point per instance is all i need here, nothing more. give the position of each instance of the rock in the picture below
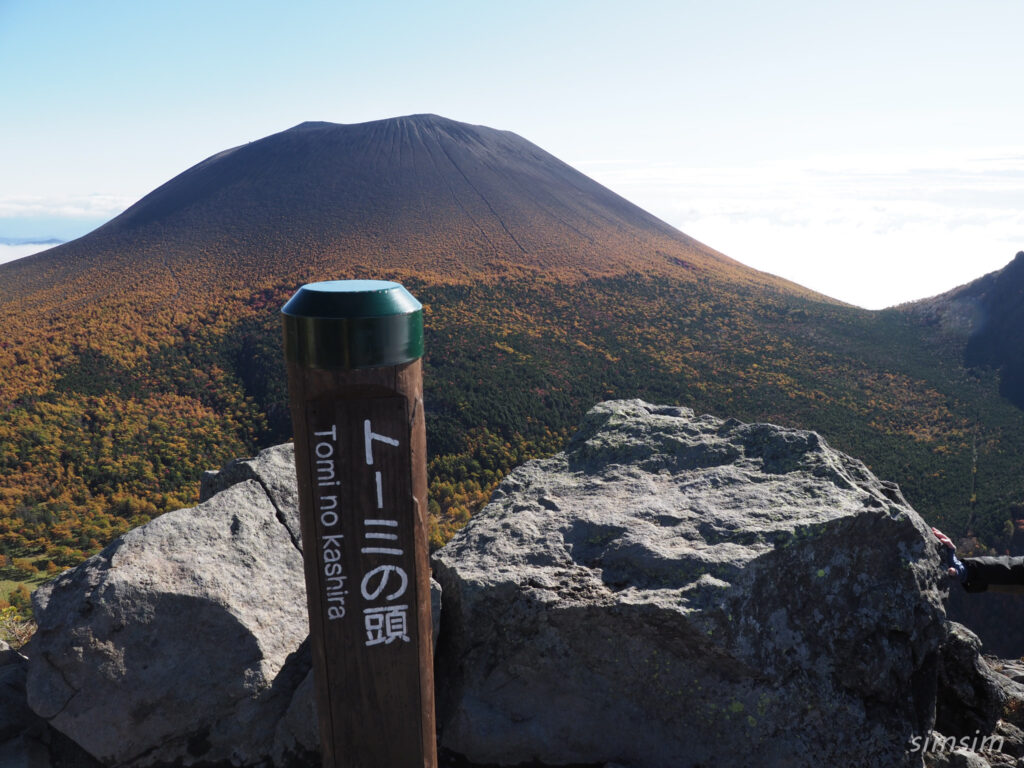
(167, 645)
(20, 752)
(970, 698)
(297, 736)
(15, 716)
(1011, 738)
(274, 470)
(678, 591)
(16, 719)
(1011, 668)
(184, 641)
(958, 758)
(977, 750)
(1013, 698)
(26, 741)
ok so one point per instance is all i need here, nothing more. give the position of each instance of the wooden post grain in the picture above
(356, 398)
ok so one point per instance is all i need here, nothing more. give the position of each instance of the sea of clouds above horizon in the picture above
(12, 252)
(871, 230)
(31, 223)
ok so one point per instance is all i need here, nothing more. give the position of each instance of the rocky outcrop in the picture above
(168, 644)
(671, 590)
(26, 741)
(675, 591)
(183, 642)
(971, 699)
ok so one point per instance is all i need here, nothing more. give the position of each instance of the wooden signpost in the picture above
(353, 350)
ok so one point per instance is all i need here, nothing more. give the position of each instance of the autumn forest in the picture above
(140, 356)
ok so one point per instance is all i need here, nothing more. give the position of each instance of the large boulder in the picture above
(677, 591)
(183, 642)
(178, 643)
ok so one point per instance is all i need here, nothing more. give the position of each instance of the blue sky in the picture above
(870, 150)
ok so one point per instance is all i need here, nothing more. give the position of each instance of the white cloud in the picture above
(69, 206)
(872, 230)
(12, 252)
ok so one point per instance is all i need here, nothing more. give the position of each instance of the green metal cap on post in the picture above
(351, 324)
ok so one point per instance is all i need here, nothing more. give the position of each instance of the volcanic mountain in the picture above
(142, 354)
(419, 195)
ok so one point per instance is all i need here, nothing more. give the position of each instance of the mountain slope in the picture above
(989, 312)
(149, 350)
(421, 195)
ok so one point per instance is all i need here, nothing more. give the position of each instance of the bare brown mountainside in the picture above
(147, 351)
